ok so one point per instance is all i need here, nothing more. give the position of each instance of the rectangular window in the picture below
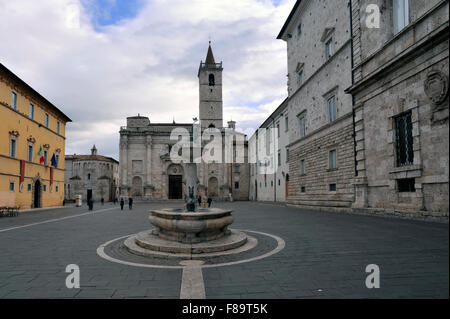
(332, 187)
(286, 123)
(57, 127)
(46, 120)
(31, 111)
(303, 189)
(56, 188)
(404, 140)
(30, 153)
(45, 158)
(269, 137)
(302, 126)
(332, 108)
(57, 160)
(279, 158)
(401, 15)
(14, 100)
(300, 77)
(237, 169)
(278, 130)
(11, 186)
(287, 155)
(236, 185)
(406, 185)
(13, 148)
(302, 167)
(44, 187)
(29, 187)
(329, 48)
(332, 159)
(299, 29)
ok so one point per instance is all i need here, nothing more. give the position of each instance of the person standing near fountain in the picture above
(130, 203)
(209, 201)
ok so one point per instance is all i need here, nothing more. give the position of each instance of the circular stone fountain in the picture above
(178, 232)
(192, 231)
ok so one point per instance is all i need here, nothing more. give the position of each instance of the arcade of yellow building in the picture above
(32, 146)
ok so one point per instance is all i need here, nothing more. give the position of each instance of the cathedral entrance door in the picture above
(175, 187)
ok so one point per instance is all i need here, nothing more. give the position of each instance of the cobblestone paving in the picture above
(325, 256)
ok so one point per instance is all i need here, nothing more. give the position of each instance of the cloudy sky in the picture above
(100, 61)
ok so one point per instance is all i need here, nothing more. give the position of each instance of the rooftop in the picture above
(21, 82)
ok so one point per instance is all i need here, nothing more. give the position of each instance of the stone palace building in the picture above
(146, 167)
(401, 108)
(367, 111)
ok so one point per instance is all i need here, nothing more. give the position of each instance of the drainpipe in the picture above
(353, 82)
(276, 167)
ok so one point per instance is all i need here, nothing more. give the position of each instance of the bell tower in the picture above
(210, 86)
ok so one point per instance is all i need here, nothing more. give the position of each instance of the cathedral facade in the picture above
(148, 170)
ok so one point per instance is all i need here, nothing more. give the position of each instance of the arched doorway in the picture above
(136, 189)
(37, 194)
(213, 187)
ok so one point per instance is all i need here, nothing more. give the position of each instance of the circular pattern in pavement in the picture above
(260, 245)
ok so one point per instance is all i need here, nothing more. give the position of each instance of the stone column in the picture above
(148, 162)
(191, 178)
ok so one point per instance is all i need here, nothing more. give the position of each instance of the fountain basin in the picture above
(190, 228)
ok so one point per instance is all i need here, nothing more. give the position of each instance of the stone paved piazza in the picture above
(325, 256)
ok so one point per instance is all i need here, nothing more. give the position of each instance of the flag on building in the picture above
(41, 155)
(54, 163)
(22, 175)
(51, 179)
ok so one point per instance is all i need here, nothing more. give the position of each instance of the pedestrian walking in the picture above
(91, 204)
(130, 203)
(122, 202)
(103, 201)
(199, 200)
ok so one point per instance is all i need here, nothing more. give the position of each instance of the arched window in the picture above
(211, 126)
(211, 80)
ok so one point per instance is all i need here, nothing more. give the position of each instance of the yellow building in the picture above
(32, 146)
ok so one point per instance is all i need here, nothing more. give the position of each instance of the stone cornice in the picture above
(397, 61)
